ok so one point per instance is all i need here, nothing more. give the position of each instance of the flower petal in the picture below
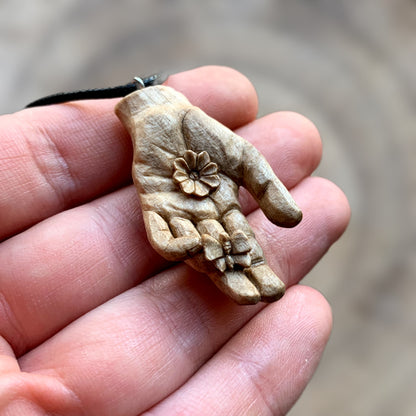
(201, 189)
(202, 160)
(220, 264)
(243, 260)
(190, 157)
(212, 181)
(212, 247)
(225, 241)
(180, 164)
(240, 242)
(180, 176)
(188, 186)
(229, 261)
(210, 169)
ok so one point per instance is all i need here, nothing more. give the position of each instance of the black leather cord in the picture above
(98, 93)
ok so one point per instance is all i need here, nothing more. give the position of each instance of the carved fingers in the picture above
(175, 242)
(269, 286)
(228, 255)
(240, 268)
(228, 252)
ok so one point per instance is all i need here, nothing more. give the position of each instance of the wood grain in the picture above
(187, 168)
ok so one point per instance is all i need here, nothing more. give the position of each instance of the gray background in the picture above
(347, 65)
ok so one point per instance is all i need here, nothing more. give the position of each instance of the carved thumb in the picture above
(243, 163)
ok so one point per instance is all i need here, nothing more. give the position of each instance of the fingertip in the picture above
(293, 218)
(339, 216)
(310, 326)
(344, 210)
(303, 126)
(316, 314)
(223, 93)
(325, 204)
(298, 128)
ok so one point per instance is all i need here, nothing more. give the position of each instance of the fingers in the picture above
(234, 261)
(326, 216)
(108, 241)
(174, 247)
(265, 367)
(290, 143)
(272, 196)
(269, 286)
(55, 272)
(261, 180)
(59, 156)
(244, 164)
(178, 319)
(8, 362)
(238, 104)
(236, 286)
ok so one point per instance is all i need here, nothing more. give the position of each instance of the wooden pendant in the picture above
(188, 168)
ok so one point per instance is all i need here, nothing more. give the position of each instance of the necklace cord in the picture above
(99, 93)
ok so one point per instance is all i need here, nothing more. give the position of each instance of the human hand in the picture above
(94, 322)
(188, 168)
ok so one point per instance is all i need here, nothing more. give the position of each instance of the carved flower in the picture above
(196, 174)
(228, 252)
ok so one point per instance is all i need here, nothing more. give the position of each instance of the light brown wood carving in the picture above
(188, 168)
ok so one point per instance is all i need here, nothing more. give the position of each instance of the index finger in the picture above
(57, 157)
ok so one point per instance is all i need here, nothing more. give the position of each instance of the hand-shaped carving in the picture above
(187, 168)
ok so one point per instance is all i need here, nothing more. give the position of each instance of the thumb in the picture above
(243, 163)
(270, 193)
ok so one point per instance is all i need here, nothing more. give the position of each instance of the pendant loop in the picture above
(139, 83)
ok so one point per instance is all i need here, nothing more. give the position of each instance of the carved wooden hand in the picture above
(187, 169)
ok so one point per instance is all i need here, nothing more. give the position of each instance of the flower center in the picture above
(194, 175)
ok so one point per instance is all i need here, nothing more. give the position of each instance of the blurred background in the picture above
(349, 66)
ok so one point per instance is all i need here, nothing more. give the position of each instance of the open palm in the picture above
(94, 322)
(188, 169)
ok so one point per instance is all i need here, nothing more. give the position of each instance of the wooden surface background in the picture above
(348, 65)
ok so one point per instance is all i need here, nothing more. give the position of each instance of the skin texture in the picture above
(94, 322)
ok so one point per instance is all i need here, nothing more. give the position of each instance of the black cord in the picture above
(99, 93)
